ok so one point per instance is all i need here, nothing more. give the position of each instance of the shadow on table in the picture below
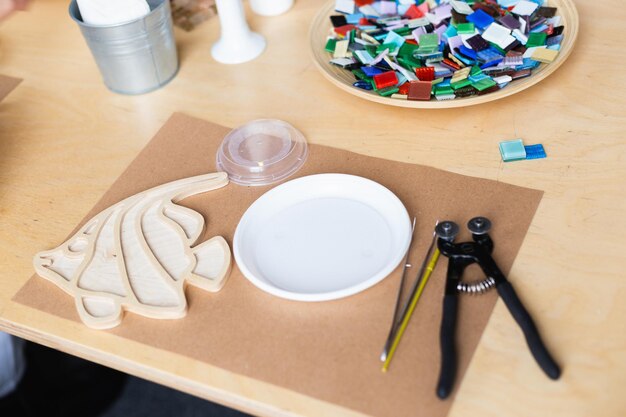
(60, 385)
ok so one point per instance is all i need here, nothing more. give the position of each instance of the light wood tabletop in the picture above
(64, 139)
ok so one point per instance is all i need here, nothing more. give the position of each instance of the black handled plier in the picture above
(460, 256)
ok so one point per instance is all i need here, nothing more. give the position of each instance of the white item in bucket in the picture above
(112, 12)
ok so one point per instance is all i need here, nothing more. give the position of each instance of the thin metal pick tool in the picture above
(398, 328)
(396, 317)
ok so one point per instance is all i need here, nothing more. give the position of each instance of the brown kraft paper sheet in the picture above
(327, 350)
(7, 84)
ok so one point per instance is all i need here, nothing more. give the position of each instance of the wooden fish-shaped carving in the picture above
(137, 255)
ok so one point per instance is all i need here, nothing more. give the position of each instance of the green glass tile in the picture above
(443, 91)
(429, 40)
(475, 70)
(360, 75)
(407, 50)
(391, 46)
(424, 51)
(409, 63)
(484, 84)
(330, 45)
(403, 31)
(465, 28)
(386, 92)
(460, 84)
(536, 39)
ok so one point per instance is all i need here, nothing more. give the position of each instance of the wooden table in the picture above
(64, 135)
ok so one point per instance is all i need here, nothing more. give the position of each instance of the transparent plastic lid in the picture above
(262, 152)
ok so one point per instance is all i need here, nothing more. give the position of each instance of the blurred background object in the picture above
(9, 6)
(187, 14)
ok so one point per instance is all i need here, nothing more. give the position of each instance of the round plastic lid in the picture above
(262, 152)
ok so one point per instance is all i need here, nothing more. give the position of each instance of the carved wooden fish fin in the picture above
(99, 312)
(212, 266)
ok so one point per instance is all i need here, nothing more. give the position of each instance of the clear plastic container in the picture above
(262, 152)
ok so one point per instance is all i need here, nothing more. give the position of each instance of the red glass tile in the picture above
(413, 12)
(425, 73)
(385, 79)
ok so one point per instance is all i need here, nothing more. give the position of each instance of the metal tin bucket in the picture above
(137, 56)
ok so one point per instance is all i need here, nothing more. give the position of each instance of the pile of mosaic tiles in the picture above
(446, 49)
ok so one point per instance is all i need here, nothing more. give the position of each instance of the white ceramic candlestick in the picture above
(237, 43)
(270, 7)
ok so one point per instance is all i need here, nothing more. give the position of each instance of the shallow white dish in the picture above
(322, 237)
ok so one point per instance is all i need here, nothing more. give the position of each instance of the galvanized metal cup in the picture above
(134, 57)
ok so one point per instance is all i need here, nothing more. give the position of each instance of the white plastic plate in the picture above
(322, 237)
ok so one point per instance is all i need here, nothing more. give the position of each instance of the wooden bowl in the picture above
(344, 79)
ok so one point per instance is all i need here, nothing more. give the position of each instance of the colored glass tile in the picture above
(343, 30)
(554, 40)
(544, 55)
(468, 52)
(521, 74)
(359, 74)
(491, 9)
(509, 21)
(443, 90)
(341, 49)
(489, 55)
(448, 63)
(363, 85)
(546, 12)
(345, 6)
(458, 17)
(460, 84)
(490, 64)
(480, 19)
(407, 50)
(354, 19)
(558, 30)
(484, 84)
(524, 8)
(395, 39)
(385, 79)
(512, 150)
(425, 73)
(330, 45)
(536, 39)
(465, 28)
(477, 42)
(391, 47)
(388, 91)
(338, 20)
(364, 57)
(461, 7)
(535, 151)
(465, 91)
(371, 71)
(419, 90)
(429, 40)
(414, 13)
(432, 40)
